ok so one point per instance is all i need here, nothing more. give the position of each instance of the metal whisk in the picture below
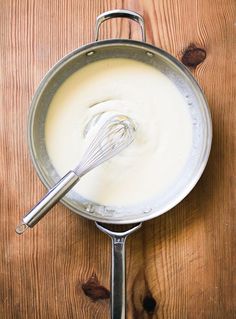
(116, 133)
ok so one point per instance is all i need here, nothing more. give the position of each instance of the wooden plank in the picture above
(179, 265)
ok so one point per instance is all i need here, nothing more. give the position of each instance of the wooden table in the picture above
(179, 265)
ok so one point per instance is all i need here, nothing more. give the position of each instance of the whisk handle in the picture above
(48, 201)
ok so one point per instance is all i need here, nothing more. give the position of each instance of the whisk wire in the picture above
(115, 135)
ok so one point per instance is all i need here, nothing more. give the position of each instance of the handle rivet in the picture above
(150, 54)
(90, 53)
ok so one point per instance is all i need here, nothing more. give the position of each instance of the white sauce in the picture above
(153, 162)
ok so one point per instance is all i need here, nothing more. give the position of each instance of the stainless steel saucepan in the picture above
(136, 214)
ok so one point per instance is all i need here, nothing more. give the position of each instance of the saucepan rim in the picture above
(121, 42)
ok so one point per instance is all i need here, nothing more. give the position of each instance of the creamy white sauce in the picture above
(153, 162)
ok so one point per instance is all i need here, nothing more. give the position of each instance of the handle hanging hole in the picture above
(21, 228)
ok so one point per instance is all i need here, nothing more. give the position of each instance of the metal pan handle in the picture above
(118, 282)
(120, 14)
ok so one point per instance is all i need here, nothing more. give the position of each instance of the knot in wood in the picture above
(94, 290)
(192, 56)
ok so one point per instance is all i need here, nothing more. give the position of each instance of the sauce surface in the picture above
(153, 162)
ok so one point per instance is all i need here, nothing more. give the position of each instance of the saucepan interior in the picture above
(176, 72)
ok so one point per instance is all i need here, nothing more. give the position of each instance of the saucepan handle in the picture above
(119, 13)
(118, 282)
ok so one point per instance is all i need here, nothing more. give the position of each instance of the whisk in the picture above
(114, 135)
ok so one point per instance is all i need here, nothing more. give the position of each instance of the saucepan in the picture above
(135, 214)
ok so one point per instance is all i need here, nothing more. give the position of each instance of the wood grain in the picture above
(180, 265)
